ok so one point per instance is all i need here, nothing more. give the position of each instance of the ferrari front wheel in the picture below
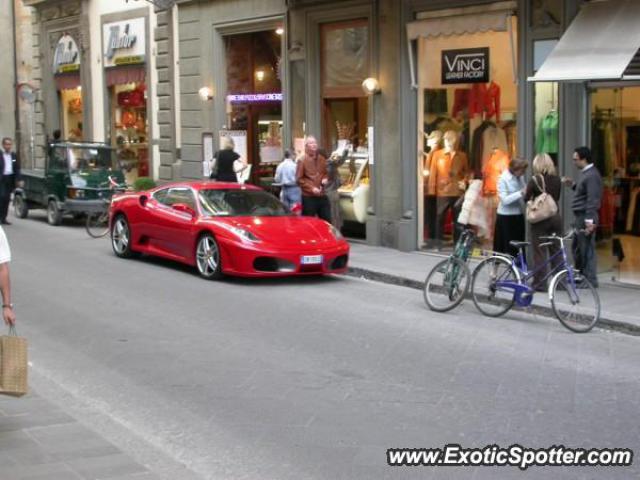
(121, 237)
(208, 257)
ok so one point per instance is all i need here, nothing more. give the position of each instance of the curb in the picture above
(386, 278)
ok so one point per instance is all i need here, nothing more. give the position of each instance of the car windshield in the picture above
(240, 203)
(88, 165)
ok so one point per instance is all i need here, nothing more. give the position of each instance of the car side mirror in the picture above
(183, 207)
(143, 200)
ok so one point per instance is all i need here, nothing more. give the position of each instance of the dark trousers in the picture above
(542, 229)
(508, 228)
(316, 206)
(436, 209)
(584, 251)
(6, 187)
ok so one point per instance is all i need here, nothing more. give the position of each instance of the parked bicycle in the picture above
(501, 281)
(97, 224)
(448, 282)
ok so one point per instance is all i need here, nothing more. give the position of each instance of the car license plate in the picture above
(311, 259)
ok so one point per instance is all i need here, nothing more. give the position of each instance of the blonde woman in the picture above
(544, 177)
(227, 162)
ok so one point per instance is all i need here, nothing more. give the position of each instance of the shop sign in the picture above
(469, 65)
(124, 42)
(66, 57)
(255, 97)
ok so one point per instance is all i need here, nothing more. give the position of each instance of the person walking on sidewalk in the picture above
(9, 174)
(336, 160)
(311, 175)
(545, 179)
(5, 282)
(585, 206)
(286, 176)
(510, 218)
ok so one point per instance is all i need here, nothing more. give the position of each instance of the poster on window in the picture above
(207, 154)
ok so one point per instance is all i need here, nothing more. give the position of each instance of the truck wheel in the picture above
(54, 215)
(20, 206)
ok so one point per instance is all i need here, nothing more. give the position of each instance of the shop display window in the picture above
(467, 132)
(129, 128)
(615, 145)
(72, 109)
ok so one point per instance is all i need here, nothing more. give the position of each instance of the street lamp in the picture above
(370, 86)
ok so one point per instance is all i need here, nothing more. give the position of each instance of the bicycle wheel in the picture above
(446, 284)
(576, 304)
(97, 224)
(490, 299)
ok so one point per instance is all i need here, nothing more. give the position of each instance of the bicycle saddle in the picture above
(517, 244)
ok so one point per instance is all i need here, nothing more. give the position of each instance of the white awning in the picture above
(459, 21)
(495, 17)
(599, 44)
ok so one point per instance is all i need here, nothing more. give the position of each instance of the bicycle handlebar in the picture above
(557, 238)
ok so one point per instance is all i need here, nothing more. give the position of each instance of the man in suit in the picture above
(9, 174)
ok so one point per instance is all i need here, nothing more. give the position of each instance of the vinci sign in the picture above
(469, 65)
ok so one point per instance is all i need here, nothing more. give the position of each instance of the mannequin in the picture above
(434, 142)
(450, 169)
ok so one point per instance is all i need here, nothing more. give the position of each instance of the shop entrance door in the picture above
(615, 145)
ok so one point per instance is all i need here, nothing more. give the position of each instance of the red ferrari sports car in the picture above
(224, 228)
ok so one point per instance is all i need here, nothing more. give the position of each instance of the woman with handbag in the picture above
(543, 215)
(510, 223)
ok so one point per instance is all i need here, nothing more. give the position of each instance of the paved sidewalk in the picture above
(40, 441)
(620, 305)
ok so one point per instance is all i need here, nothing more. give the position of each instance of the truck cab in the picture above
(75, 181)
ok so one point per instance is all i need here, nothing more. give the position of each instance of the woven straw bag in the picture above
(13, 364)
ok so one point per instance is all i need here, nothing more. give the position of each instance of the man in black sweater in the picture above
(585, 206)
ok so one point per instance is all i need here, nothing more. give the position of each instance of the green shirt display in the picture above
(547, 134)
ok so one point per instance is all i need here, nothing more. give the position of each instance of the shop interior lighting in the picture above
(279, 31)
(260, 75)
(205, 93)
(370, 86)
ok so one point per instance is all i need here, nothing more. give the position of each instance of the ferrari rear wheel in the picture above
(208, 257)
(121, 237)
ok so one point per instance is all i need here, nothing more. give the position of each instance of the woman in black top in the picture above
(224, 170)
(544, 172)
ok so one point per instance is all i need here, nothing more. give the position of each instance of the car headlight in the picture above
(244, 234)
(336, 233)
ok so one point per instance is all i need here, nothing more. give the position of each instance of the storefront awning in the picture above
(495, 17)
(126, 74)
(67, 81)
(600, 44)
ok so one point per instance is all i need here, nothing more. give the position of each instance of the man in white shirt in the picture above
(9, 173)
(5, 282)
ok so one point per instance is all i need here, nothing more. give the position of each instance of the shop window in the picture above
(615, 145)
(129, 128)
(71, 109)
(345, 112)
(254, 89)
(467, 131)
(546, 14)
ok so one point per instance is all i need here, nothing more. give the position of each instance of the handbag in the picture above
(13, 364)
(541, 207)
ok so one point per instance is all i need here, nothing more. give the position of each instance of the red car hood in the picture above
(286, 231)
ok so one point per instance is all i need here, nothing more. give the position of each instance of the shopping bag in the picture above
(13, 364)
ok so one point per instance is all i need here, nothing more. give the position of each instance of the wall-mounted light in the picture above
(79, 88)
(370, 86)
(259, 75)
(279, 31)
(205, 93)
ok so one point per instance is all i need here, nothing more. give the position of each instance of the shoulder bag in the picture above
(543, 206)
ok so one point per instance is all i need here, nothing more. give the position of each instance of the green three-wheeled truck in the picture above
(75, 181)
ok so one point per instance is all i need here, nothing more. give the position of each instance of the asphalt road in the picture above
(305, 378)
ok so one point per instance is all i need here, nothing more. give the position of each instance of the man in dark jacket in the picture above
(585, 206)
(9, 175)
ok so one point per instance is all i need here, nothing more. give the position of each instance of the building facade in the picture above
(481, 75)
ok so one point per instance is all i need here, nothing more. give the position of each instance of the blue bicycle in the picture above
(501, 281)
